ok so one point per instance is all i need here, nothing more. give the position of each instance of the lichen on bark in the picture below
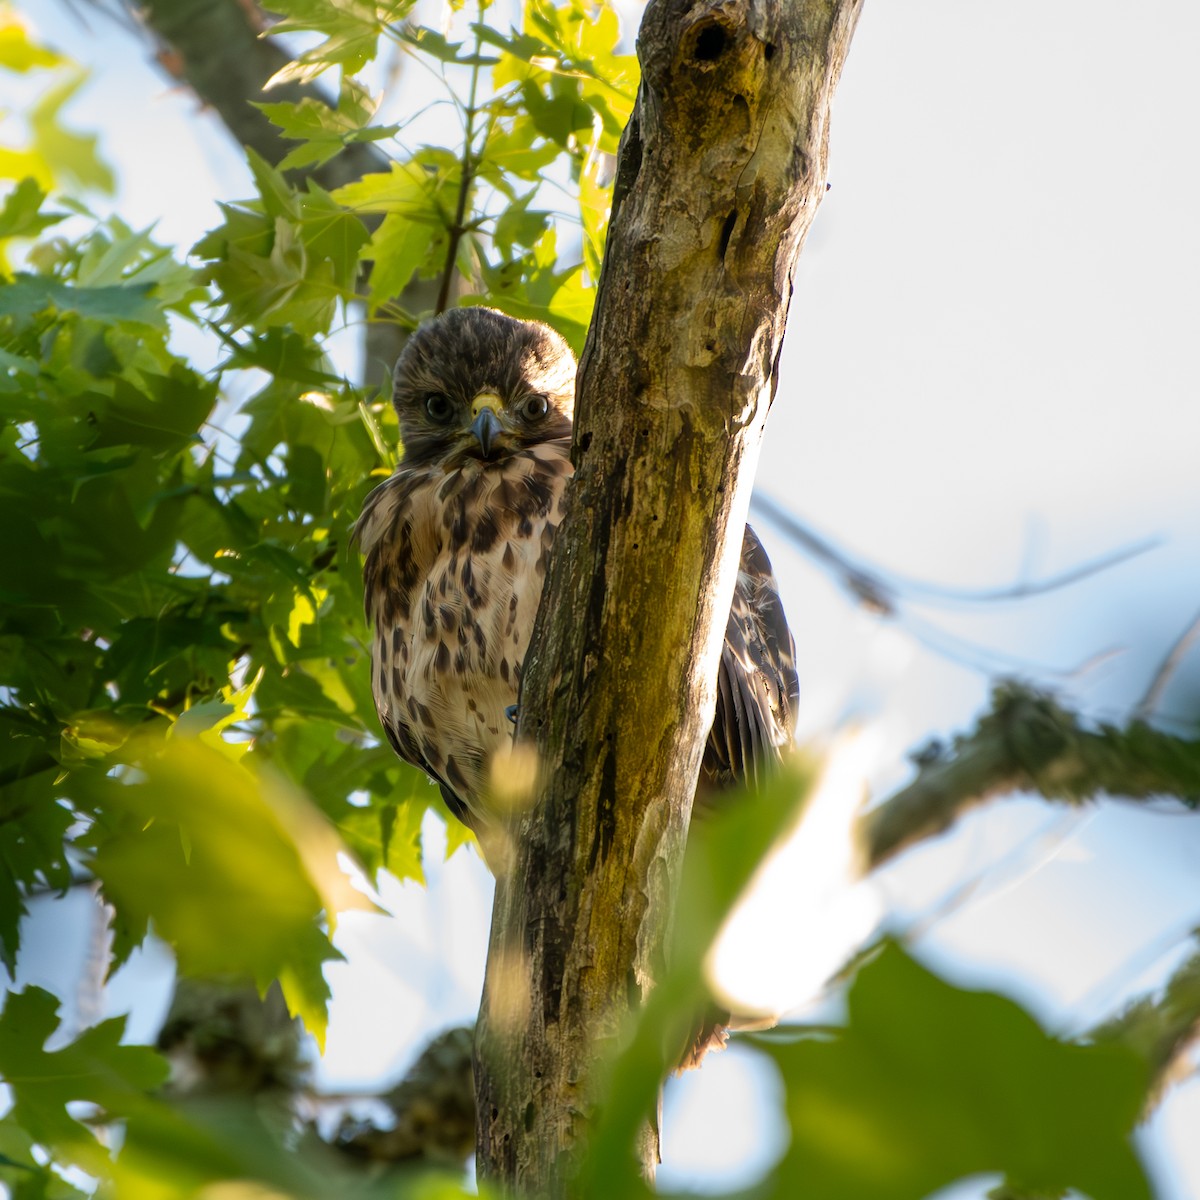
(720, 173)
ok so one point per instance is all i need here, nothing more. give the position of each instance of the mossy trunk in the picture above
(720, 173)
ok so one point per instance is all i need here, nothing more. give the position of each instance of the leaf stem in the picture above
(458, 229)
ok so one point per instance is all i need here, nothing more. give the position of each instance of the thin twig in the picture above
(1169, 665)
(457, 229)
(1030, 855)
(866, 586)
(1028, 743)
(976, 657)
(123, 17)
(869, 587)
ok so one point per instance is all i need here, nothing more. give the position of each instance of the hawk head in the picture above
(475, 382)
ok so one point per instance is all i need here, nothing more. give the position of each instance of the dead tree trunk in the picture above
(720, 172)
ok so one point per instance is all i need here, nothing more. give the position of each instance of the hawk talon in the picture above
(511, 713)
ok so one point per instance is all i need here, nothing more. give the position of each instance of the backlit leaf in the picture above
(21, 214)
(231, 866)
(18, 51)
(398, 248)
(351, 29)
(929, 1083)
(95, 1067)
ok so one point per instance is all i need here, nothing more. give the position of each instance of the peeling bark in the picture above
(720, 173)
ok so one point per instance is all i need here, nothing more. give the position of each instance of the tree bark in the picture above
(720, 173)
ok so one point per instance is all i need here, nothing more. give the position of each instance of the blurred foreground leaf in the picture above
(930, 1083)
(724, 851)
(235, 869)
(95, 1068)
(926, 1084)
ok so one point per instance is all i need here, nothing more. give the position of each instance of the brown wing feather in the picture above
(757, 686)
(757, 691)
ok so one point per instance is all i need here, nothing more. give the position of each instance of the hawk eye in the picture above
(439, 408)
(533, 407)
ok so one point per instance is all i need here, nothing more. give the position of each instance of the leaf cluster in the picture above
(181, 636)
(537, 114)
(185, 709)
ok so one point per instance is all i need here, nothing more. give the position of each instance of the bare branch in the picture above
(1028, 743)
(881, 591)
(217, 49)
(465, 183)
(1169, 665)
(866, 585)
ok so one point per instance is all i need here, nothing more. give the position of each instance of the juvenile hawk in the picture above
(456, 544)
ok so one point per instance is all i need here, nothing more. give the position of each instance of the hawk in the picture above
(456, 542)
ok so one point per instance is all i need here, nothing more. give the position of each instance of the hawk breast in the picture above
(455, 561)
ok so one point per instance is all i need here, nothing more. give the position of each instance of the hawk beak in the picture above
(486, 428)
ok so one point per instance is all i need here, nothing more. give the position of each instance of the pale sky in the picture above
(992, 373)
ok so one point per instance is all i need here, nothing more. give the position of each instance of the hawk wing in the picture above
(757, 686)
(757, 691)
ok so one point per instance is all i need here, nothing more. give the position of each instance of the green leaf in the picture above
(723, 853)
(95, 1068)
(281, 353)
(518, 150)
(233, 868)
(411, 189)
(559, 114)
(398, 248)
(286, 260)
(312, 122)
(27, 294)
(12, 366)
(331, 235)
(930, 1083)
(162, 415)
(351, 29)
(69, 154)
(430, 42)
(517, 226)
(20, 1169)
(18, 51)
(522, 45)
(280, 288)
(389, 836)
(531, 287)
(326, 131)
(279, 198)
(21, 215)
(32, 829)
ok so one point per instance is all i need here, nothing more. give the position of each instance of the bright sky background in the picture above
(992, 374)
